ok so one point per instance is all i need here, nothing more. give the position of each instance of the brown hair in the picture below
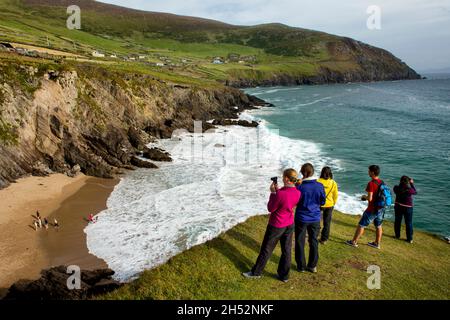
(404, 181)
(326, 173)
(375, 170)
(307, 170)
(291, 174)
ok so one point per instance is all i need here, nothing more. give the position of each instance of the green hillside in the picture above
(213, 270)
(188, 45)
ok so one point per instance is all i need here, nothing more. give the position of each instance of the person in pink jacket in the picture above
(280, 228)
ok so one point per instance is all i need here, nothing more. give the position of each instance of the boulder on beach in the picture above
(156, 154)
(76, 170)
(230, 122)
(41, 170)
(52, 285)
(245, 123)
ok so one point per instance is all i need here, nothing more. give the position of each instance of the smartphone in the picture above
(274, 180)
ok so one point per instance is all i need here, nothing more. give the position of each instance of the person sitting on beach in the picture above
(372, 213)
(45, 223)
(331, 192)
(55, 223)
(307, 219)
(39, 221)
(91, 218)
(280, 227)
(36, 225)
(404, 193)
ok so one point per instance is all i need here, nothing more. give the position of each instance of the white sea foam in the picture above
(216, 181)
(350, 204)
(275, 90)
(314, 102)
(388, 131)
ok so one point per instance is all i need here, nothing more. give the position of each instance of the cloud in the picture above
(418, 31)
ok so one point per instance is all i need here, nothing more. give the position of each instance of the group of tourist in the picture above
(40, 223)
(314, 200)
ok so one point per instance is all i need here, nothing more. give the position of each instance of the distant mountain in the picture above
(274, 53)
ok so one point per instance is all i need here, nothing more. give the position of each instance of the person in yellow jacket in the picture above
(331, 192)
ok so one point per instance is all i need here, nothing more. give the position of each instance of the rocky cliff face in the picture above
(349, 61)
(94, 118)
(324, 76)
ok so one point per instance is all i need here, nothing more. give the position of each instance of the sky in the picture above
(416, 31)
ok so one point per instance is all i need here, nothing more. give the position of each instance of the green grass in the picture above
(8, 135)
(213, 270)
(22, 77)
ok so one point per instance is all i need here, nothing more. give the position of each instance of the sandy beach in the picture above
(24, 252)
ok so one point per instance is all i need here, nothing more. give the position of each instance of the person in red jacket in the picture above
(280, 228)
(373, 213)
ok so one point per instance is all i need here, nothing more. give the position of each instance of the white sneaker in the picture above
(250, 275)
(351, 243)
(374, 245)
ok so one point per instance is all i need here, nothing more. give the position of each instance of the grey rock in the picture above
(52, 285)
(135, 161)
(156, 154)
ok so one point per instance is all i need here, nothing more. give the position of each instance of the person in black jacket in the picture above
(404, 207)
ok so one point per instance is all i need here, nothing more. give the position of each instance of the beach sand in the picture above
(24, 252)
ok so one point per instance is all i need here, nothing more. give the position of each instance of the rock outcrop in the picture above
(156, 154)
(231, 122)
(52, 285)
(135, 161)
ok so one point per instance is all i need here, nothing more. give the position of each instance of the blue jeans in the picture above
(368, 217)
(401, 212)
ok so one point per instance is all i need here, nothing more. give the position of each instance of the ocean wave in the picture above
(275, 90)
(313, 102)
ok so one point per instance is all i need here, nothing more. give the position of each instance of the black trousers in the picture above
(271, 238)
(327, 215)
(401, 212)
(313, 230)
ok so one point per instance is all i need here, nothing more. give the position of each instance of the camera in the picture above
(274, 180)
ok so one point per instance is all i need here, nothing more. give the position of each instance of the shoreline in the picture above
(68, 245)
(25, 252)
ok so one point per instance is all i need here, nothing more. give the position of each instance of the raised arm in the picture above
(412, 190)
(274, 202)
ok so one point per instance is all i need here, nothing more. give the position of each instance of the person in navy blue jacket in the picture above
(307, 219)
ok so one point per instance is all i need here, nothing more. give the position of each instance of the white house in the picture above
(98, 54)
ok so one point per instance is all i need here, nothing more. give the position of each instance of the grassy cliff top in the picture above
(213, 270)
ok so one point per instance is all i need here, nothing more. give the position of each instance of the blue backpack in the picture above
(383, 197)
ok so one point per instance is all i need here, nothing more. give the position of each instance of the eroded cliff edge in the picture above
(88, 116)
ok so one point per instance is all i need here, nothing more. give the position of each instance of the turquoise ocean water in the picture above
(403, 126)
